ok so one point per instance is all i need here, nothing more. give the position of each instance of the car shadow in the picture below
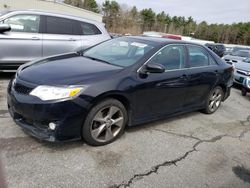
(6, 75)
(152, 124)
(69, 145)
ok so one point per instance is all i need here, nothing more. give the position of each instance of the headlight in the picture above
(47, 93)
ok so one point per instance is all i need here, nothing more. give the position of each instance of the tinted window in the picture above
(24, 23)
(56, 25)
(197, 57)
(89, 29)
(242, 53)
(171, 57)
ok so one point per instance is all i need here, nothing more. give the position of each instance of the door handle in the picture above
(184, 77)
(35, 38)
(72, 39)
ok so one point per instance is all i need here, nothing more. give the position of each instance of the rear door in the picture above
(23, 43)
(59, 36)
(202, 74)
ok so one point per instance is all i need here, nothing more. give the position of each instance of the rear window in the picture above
(242, 54)
(197, 57)
(56, 25)
(84, 28)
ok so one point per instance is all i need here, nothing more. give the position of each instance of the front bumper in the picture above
(238, 78)
(34, 116)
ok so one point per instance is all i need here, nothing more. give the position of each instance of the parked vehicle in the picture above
(36, 34)
(171, 36)
(242, 71)
(237, 56)
(246, 86)
(124, 81)
(217, 48)
(162, 35)
(237, 48)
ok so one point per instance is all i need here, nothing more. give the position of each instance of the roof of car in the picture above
(244, 51)
(160, 40)
(47, 13)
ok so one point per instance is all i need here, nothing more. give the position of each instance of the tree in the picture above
(148, 18)
(76, 3)
(111, 11)
(90, 5)
(161, 22)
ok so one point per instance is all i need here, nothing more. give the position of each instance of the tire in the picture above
(104, 123)
(243, 92)
(213, 100)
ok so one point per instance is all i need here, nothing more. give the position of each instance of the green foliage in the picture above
(111, 13)
(148, 18)
(91, 5)
(86, 4)
(135, 22)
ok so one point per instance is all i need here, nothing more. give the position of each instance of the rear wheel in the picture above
(213, 100)
(104, 123)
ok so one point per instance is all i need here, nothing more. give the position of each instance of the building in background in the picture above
(49, 6)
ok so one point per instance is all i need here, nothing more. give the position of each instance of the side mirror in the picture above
(154, 68)
(4, 28)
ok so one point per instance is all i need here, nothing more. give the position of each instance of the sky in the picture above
(211, 11)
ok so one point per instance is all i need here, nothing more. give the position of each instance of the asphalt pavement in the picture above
(190, 150)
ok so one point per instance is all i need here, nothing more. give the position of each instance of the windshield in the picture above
(121, 51)
(242, 54)
(246, 60)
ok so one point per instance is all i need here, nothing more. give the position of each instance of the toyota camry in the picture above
(94, 94)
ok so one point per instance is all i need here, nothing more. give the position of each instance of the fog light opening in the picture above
(52, 126)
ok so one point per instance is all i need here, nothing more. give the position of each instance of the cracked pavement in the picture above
(190, 150)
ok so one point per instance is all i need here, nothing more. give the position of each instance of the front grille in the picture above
(38, 124)
(19, 88)
(243, 72)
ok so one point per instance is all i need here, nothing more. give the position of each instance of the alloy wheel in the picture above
(215, 100)
(107, 124)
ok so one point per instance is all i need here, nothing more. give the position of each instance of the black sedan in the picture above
(94, 94)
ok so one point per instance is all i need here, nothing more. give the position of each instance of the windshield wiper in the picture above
(96, 59)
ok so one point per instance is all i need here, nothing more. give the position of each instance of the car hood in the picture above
(243, 66)
(233, 58)
(65, 70)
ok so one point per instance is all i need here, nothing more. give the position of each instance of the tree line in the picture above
(119, 19)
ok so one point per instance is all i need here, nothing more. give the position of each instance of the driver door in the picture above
(23, 43)
(162, 94)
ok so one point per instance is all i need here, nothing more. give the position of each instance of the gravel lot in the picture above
(191, 150)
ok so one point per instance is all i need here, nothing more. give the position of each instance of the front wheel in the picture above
(243, 92)
(214, 100)
(104, 123)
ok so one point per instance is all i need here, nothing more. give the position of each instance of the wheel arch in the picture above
(224, 89)
(118, 96)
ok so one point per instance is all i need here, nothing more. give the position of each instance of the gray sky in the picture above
(212, 11)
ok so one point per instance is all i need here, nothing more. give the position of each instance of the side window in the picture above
(24, 23)
(88, 29)
(212, 61)
(172, 57)
(197, 57)
(61, 26)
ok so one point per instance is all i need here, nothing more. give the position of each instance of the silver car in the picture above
(237, 56)
(28, 35)
(242, 71)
